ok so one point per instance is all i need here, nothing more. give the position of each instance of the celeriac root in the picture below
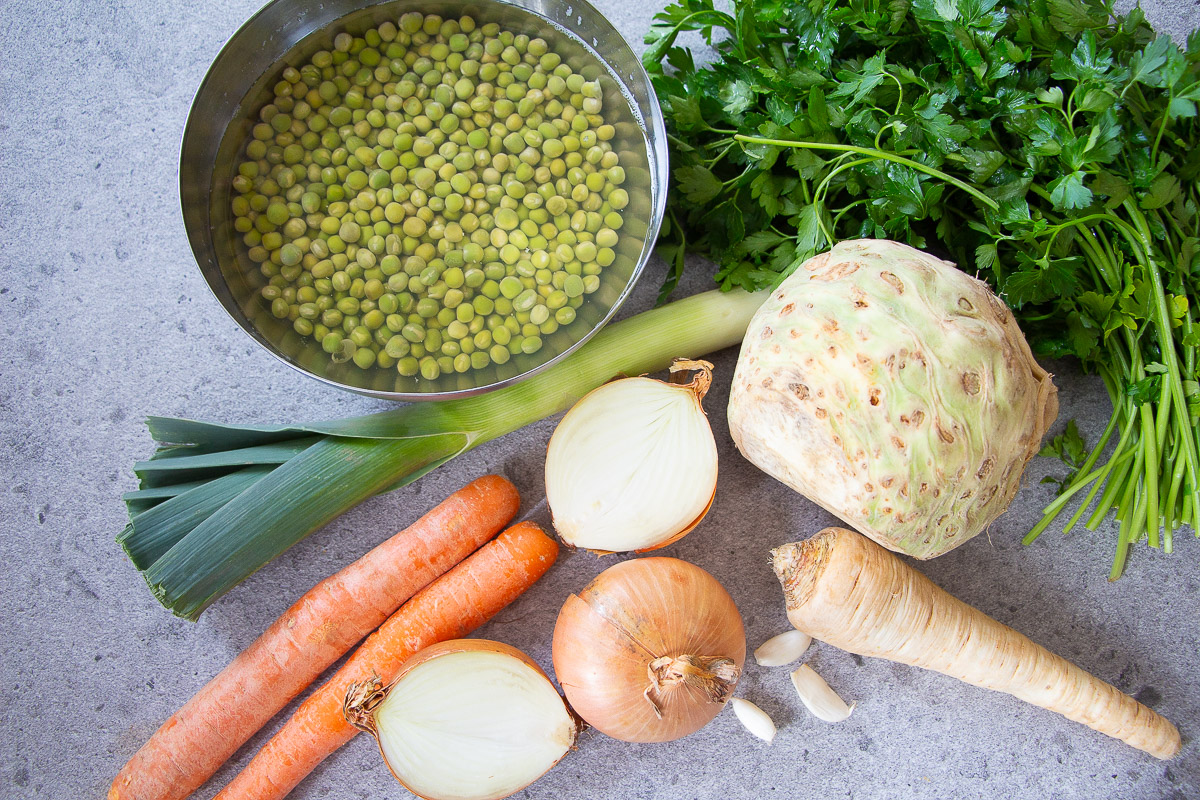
(845, 590)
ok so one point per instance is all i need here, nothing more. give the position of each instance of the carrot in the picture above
(449, 608)
(845, 590)
(311, 635)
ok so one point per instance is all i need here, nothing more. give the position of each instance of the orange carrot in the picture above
(449, 608)
(311, 635)
(847, 591)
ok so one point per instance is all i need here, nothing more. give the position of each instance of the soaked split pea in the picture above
(432, 197)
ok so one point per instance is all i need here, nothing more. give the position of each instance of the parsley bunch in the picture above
(1045, 144)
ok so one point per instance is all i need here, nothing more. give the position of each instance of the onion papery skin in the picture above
(620, 480)
(631, 614)
(560, 738)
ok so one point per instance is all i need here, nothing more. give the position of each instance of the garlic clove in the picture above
(782, 649)
(754, 719)
(817, 697)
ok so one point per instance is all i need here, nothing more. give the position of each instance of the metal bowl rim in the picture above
(657, 212)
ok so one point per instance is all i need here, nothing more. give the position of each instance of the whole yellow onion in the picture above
(650, 650)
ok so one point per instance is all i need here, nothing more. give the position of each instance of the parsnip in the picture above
(845, 590)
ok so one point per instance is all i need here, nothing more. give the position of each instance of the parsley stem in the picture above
(823, 187)
(721, 155)
(1164, 413)
(667, 39)
(1042, 193)
(1114, 489)
(1151, 476)
(846, 208)
(1162, 128)
(1125, 536)
(1166, 220)
(1172, 496)
(1078, 223)
(1162, 319)
(1119, 457)
(1099, 257)
(678, 142)
(876, 154)
(899, 92)
(1083, 477)
(734, 180)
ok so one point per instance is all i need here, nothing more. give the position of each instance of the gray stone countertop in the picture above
(108, 321)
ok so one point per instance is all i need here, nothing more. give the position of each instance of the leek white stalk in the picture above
(633, 465)
(822, 701)
(467, 719)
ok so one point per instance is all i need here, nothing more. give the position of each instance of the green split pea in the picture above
(432, 197)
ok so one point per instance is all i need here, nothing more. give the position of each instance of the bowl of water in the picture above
(423, 200)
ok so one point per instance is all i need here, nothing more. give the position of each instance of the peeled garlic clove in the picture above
(817, 697)
(468, 719)
(754, 718)
(782, 649)
(633, 465)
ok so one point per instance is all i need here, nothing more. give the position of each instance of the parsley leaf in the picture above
(698, 183)
(1069, 191)
(736, 96)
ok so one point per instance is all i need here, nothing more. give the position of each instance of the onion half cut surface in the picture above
(469, 720)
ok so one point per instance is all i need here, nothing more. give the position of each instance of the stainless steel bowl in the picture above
(286, 33)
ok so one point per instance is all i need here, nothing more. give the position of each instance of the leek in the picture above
(217, 502)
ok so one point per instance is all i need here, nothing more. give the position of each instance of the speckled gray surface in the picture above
(108, 320)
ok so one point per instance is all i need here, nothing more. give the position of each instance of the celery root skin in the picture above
(847, 591)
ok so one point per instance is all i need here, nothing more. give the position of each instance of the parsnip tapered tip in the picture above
(1163, 740)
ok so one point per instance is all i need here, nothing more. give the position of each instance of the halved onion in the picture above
(633, 465)
(467, 719)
